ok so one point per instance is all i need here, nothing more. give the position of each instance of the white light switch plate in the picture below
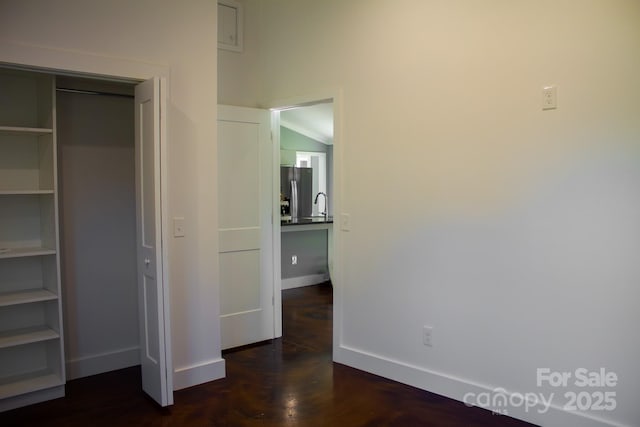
(549, 98)
(178, 226)
(345, 222)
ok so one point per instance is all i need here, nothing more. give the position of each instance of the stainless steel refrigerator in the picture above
(296, 185)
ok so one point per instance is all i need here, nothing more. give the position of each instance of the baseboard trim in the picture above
(104, 362)
(198, 374)
(457, 388)
(300, 281)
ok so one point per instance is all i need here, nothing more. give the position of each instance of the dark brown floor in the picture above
(285, 382)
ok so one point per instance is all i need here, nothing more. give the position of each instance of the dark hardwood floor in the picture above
(285, 382)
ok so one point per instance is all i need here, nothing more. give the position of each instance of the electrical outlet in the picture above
(294, 259)
(427, 336)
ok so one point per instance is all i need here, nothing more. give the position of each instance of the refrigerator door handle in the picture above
(294, 198)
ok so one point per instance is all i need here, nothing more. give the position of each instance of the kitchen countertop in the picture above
(306, 221)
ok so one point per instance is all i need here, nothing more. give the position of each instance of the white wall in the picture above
(139, 39)
(513, 231)
(239, 82)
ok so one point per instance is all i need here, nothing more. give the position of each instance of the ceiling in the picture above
(314, 121)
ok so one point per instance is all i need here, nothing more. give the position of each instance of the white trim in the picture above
(164, 238)
(103, 362)
(455, 388)
(74, 62)
(300, 281)
(200, 373)
(240, 313)
(275, 216)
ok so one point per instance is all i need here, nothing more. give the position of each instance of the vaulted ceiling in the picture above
(314, 121)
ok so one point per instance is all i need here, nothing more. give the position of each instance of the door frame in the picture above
(78, 64)
(335, 96)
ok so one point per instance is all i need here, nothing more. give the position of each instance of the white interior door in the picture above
(153, 295)
(245, 171)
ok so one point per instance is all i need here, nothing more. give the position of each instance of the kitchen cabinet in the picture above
(31, 344)
(311, 242)
(287, 157)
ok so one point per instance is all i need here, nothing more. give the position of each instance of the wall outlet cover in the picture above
(345, 222)
(427, 336)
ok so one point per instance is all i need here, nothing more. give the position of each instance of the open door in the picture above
(245, 206)
(153, 295)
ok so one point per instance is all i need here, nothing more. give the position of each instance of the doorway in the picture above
(288, 119)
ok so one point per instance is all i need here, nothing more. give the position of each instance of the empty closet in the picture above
(96, 175)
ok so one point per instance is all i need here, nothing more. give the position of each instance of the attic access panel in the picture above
(230, 26)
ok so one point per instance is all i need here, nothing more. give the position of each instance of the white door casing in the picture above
(153, 293)
(245, 175)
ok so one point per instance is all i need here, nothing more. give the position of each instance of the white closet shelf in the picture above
(24, 252)
(23, 192)
(25, 130)
(25, 297)
(27, 336)
(27, 383)
(31, 346)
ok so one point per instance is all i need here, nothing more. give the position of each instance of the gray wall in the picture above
(311, 249)
(98, 234)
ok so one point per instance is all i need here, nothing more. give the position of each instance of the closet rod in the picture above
(93, 92)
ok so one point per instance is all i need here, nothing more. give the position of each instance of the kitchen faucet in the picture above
(326, 204)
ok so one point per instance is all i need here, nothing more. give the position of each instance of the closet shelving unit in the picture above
(31, 346)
